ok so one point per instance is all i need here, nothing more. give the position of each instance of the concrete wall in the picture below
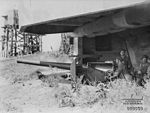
(94, 46)
(137, 41)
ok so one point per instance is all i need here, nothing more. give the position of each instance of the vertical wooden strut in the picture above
(73, 69)
(15, 42)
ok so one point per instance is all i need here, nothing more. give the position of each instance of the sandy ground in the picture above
(22, 92)
(28, 95)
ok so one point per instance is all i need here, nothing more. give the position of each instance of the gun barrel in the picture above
(46, 64)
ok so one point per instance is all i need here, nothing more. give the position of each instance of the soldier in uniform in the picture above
(123, 65)
(143, 69)
(148, 72)
(144, 65)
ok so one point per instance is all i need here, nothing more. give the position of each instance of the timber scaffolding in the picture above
(15, 42)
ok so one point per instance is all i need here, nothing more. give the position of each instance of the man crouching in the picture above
(144, 71)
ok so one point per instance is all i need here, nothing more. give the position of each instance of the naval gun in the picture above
(93, 71)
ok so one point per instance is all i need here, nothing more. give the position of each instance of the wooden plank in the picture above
(73, 69)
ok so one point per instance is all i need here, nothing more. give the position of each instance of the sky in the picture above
(32, 11)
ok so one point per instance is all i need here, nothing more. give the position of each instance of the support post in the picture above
(80, 50)
(7, 39)
(15, 42)
(73, 70)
